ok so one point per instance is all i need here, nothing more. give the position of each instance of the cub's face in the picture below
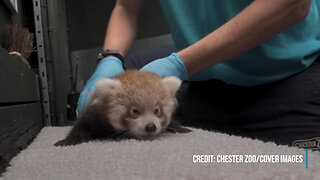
(140, 103)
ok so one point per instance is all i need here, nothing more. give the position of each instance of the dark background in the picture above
(74, 30)
(87, 22)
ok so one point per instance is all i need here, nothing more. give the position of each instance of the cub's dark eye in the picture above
(157, 111)
(136, 112)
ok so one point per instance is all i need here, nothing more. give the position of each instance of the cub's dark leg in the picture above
(81, 131)
(175, 127)
(77, 135)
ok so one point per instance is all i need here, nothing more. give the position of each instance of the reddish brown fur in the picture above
(110, 109)
(143, 90)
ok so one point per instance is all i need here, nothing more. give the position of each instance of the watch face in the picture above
(100, 55)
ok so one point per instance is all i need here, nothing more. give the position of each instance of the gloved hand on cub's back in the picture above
(168, 66)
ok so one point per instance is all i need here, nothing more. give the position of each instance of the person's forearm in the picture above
(122, 27)
(254, 25)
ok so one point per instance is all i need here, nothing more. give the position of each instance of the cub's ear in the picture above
(106, 86)
(173, 83)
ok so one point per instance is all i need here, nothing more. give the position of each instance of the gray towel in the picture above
(170, 156)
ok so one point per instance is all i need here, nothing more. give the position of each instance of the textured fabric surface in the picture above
(170, 156)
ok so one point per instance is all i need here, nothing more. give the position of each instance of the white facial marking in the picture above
(95, 101)
(106, 86)
(140, 124)
(168, 110)
(115, 116)
(172, 83)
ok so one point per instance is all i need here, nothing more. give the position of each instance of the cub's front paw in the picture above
(63, 143)
(179, 130)
(69, 142)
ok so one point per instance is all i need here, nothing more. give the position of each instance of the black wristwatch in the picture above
(110, 52)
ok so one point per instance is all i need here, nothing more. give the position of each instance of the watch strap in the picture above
(110, 52)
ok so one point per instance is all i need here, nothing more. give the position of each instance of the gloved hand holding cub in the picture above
(107, 68)
(168, 66)
(112, 66)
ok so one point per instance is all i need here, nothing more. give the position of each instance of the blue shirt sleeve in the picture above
(287, 53)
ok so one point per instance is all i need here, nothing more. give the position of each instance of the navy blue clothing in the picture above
(286, 111)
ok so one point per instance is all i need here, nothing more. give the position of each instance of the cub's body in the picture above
(133, 104)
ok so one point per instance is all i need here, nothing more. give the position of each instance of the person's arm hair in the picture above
(257, 23)
(122, 27)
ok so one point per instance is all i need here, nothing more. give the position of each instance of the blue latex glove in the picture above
(107, 68)
(168, 66)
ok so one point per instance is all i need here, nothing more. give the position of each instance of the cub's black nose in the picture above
(151, 127)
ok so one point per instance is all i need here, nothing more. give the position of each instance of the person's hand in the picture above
(168, 66)
(107, 68)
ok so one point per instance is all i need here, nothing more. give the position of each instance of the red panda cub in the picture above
(133, 104)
